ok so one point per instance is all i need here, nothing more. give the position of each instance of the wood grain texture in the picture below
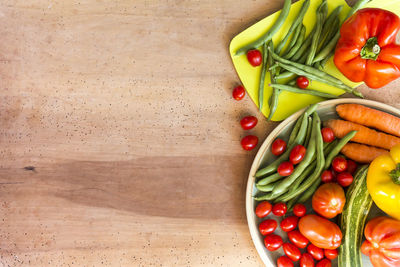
(119, 139)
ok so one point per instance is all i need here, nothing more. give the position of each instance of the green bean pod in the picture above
(303, 48)
(317, 34)
(262, 77)
(310, 191)
(295, 130)
(285, 75)
(303, 91)
(294, 39)
(273, 100)
(330, 34)
(265, 188)
(269, 179)
(298, 43)
(308, 133)
(325, 60)
(339, 147)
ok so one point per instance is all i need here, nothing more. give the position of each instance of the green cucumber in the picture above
(355, 212)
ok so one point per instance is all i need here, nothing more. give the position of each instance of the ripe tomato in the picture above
(327, 134)
(263, 209)
(292, 251)
(327, 176)
(284, 261)
(339, 164)
(320, 231)
(248, 122)
(238, 92)
(306, 260)
(330, 253)
(273, 242)
(279, 209)
(267, 227)
(302, 82)
(289, 223)
(324, 263)
(249, 142)
(299, 210)
(297, 154)
(344, 179)
(351, 166)
(254, 57)
(316, 252)
(298, 239)
(285, 168)
(278, 147)
(329, 200)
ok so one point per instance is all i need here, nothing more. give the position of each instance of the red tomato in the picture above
(254, 57)
(339, 164)
(327, 176)
(248, 122)
(273, 242)
(329, 200)
(289, 223)
(249, 142)
(316, 252)
(299, 210)
(292, 251)
(298, 239)
(278, 147)
(263, 209)
(351, 166)
(297, 154)
(238, 92)
(285, 168)
(284, 261)
(324, 263)
(306, 260)
(327, 134)
(330, 253)
(279, 209)
(302, 82)
(267, 227)
(344, 179)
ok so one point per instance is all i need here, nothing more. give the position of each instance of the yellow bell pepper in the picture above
(383, 182)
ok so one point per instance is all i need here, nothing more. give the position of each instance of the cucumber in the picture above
(355, 212)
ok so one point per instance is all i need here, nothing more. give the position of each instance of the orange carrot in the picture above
(370, 117)
(364, 135)
(362, 153)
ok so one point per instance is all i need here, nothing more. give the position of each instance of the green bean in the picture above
(310, 191)
(273, 99)
(295, 130)
(331, 32)
(333, 16)
(269, 179)
(291, 204)
(302, 50)
(308, 133)
(325, 60)
(298, 43)
(292, 82)
(265, 188)
(285, 75)
(262, 77)
(302, 91)
(339, 147)
(317, 34)
(295, 37)
(268, 35)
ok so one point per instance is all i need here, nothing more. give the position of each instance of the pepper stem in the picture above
(371, 49)
(395, 174)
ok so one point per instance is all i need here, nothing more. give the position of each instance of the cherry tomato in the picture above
(238, 92)
(339, 164)
(299, 210)
(316, 252)
(351, 166)
(254, 57)
(327, 176)
(320, 231)
(289, 223)
(292, 251)
(263, 209)
(284, 261)
(302, 82)
(327, 134)
(329, 200)
(324, 263)
(273, 242)
(249, 142)
(344, 179)
(298, 239)
(297, 154)
(278, 147)
(267, 227)
(330, 253)
(306, 260)
(285, 168)
(248, 122)
(279, 209)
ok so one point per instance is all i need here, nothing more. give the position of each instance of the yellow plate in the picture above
(291, 102)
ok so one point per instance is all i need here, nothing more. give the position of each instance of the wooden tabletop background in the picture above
(119, 138)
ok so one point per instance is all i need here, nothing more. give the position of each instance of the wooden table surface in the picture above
(119, 139)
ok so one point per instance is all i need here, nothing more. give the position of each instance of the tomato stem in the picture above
(395, 174)
(371, 49)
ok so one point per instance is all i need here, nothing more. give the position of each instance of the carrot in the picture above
(370, 117)
(364, 134)
(362, 153)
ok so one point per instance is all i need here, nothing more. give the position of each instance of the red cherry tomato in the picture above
(238, 92)
(263, 209)
(324, 263)
(316, 252)
(284, 261)
(331, 253)
(291, 251)
(327, 135)
(273, 242)
(299, 210)
(267, 227)
(327, 176)
(248, 122)
(306, 260)
(302, 82)
(249, 142)
(339, 164)
(285, 168)
(351, 166)
(279, 209)
(278, 147)
(289, 223)
(254, 57)
(344, 179)
(297, 154)
(298, 239)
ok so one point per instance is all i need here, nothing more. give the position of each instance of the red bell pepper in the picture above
(366, 50)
